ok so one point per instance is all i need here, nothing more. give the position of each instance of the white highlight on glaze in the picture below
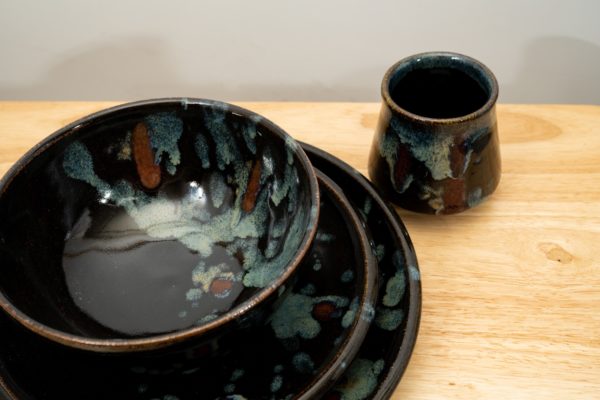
(434, 197)
(413, 273)
(467, 161)
(291, 146)
(436, 156)
(475, 197)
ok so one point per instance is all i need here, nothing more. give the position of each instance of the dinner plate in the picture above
(311, 338)
(385, 352)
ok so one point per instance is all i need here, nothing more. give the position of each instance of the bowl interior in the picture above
(152, 218)
(308, 341)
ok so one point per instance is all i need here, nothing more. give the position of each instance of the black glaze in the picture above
(67, 232)
(35, 368)
(435, 148)
(385, 228)
(438, 93)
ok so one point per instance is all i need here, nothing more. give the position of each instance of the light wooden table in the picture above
(511, 289)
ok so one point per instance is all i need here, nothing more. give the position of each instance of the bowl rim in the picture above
(159, 341)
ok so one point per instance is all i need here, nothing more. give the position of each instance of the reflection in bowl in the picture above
(145, 224)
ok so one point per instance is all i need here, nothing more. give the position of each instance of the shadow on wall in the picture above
(556, 70)
(109, 71)
(553, 70)
(146, 67)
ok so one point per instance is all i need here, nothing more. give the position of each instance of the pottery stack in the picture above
(186, 248)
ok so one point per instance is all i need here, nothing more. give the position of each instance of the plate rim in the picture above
(394, 372)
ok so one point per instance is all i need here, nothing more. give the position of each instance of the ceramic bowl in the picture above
(149, 223)
(308, 342)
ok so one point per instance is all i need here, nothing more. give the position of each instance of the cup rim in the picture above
(485, 72)
(159, 341)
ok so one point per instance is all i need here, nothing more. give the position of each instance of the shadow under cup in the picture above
(435, 148)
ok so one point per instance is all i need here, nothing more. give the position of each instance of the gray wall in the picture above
(541, 51)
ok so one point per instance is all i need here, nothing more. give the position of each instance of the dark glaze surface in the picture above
(386, 350)
(438, 93)
(153, 219)
(275, 361)
(435, 148)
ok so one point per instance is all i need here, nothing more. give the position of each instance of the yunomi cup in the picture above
(436, 148)
(151, 223)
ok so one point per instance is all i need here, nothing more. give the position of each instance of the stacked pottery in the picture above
(187, 249)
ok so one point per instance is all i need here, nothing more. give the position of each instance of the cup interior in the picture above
(153, 218)
(440, 85)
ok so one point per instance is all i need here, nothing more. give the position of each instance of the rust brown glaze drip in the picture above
(435, 148)
(324, 310)
(253, 188)
(402, 167)
(457, 157)
(220, 286)
(454, 196)
(143, 155)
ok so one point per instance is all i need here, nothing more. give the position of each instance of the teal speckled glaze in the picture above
(303, 363)
(379, 252)
(437, 137)
(317, 265)
(413, 273)
(238, 206)
(324, 237)
(229, 388)
(394, 289)
(218, 189)
(202, 150)
(161, 218)
(361, 379)
(367, 313)
(389, 319)
(237, 374)
(347, 276)
(431, 148)
(367, 206)
(165, 130)
(226, 148)
(78, 164)
(276, 383)
(308, 290)
(350, 315)
(294, 317)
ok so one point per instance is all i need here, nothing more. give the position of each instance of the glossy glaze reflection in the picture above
(158, 217)
(307, 343)
(435, 148)
(386, 350)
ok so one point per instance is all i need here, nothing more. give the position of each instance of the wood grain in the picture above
(511, 289)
